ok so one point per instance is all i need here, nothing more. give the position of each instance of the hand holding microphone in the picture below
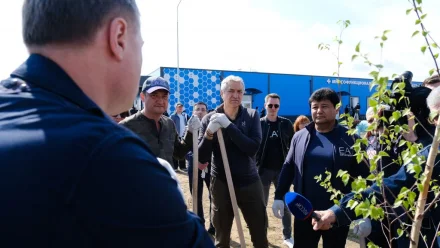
(302, 209)
(299, 206)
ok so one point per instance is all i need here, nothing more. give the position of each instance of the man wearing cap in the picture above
(157, 130)
(180, 119)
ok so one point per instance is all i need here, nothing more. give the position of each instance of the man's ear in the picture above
(118, 37)
(142, 95)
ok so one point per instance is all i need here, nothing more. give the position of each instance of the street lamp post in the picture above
(178, 68)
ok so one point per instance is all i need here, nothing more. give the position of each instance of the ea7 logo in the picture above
(345, 152)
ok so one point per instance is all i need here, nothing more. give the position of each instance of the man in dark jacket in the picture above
(322, 146)
(242, 134)
(277, 133)
(70, 176)
(343, 215)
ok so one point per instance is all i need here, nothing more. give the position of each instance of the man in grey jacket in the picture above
(157, 130)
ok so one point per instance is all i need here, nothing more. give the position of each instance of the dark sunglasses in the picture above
(273, 105)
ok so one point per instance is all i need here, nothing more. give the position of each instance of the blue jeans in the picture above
(268, 177)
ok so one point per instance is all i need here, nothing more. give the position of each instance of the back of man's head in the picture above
(71, 21)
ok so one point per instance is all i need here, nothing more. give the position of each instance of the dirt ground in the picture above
(274, 232)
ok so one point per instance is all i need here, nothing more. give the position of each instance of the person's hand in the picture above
(203, 166)
(222, 119)
(213, 126)
(194, 124)
(278, 208)
(362, 227)
(327, 219)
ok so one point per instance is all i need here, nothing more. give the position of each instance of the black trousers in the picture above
(179, 164)
(251, 203)
(200, 181)
(306, 237)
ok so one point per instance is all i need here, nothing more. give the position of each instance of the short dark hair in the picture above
(71, 21)
(272, 95)
(324, 94)
(201, 103)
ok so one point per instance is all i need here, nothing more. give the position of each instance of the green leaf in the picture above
(345, 179)
(397, 115)
(408, 11)
(415, 33)
(372, 102)
(400, 232)
(358, 47)
(436, 55)
(374, 74)
(418, 21)
(420, 187)
(358, 156)
(431, 72)
(419, 1)
(402, 142)
(383, 154)
(423, 49)
(412, 197)
(434, 45)
(361, 208)
(384, 38)
(423, 16)
(425, 33)
(386, 31)
(354, 57)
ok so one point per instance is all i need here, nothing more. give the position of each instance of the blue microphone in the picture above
(299, 206)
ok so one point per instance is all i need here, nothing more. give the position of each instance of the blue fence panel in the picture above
(195, 85)
(294, 92)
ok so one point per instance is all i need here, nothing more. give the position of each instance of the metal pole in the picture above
(178, 69)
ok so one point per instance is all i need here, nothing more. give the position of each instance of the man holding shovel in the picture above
(241, 130)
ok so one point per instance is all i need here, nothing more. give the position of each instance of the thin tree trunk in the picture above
(421, 202)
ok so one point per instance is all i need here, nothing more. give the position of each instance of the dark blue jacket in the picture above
(393, 184)
(242, 141)
(343, 159)
(72, 177)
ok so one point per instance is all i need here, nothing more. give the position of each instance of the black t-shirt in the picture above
(273, 158)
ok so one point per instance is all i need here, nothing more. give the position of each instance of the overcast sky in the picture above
(261, 35)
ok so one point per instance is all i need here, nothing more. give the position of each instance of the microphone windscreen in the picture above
(298, 205)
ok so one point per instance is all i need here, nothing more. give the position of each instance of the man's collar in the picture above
(44, 73)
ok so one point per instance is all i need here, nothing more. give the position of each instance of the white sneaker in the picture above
(288, 242)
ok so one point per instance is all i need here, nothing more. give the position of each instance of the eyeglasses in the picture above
(273, 105)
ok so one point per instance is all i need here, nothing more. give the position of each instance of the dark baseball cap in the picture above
(155, 83)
